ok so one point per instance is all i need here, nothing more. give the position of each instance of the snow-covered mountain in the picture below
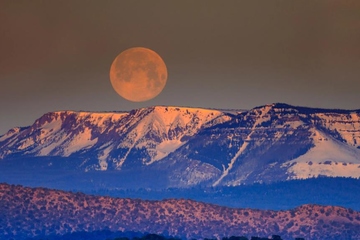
(191, 146)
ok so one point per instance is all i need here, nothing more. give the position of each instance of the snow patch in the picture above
(26, 143)
(80, 141)
(10, 133)
(305, 170)
(165, 148)
(52, 126)
(329, 157)
(294, 124)
(103, 157)
(58, 140)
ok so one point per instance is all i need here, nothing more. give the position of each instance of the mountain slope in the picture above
(191, 146)
(27, 212)
(148, 134)
(268, 143)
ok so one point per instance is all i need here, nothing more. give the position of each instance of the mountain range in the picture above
(165, 146)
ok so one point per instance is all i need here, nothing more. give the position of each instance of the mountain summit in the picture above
(185, 147)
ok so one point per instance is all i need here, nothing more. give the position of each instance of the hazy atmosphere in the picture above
(56, 55)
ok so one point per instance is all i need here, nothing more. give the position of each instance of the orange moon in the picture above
(138, 74)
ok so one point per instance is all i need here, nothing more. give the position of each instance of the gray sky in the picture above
(56, 55)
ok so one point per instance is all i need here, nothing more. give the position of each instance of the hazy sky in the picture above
(56, 55)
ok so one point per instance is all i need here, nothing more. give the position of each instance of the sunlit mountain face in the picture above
(166, 146)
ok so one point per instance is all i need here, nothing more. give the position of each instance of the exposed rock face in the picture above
(26, 212)
(193, 146)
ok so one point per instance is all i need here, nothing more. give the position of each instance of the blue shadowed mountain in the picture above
(166, 146)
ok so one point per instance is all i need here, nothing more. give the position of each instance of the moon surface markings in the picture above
(138, 74)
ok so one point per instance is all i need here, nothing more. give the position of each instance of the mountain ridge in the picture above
(195, 146)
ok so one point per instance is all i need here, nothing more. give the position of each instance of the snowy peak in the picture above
(112, 137)
(164, 129)
(270, 142)
(198, 146)
(166, 120)
(61, 133)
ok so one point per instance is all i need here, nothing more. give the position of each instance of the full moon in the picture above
(138, 74)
